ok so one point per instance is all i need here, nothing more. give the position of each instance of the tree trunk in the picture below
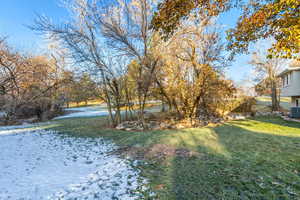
(108, 101)
(275, 103)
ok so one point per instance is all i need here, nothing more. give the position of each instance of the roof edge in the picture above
(288, 70)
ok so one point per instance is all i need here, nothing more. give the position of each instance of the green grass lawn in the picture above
(251, 159)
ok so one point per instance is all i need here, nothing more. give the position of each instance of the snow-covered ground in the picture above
(89, 111)
(93, 111)
(42, 164)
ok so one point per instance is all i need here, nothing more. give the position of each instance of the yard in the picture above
(144, 99)
(250, 159)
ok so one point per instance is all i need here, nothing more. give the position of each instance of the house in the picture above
(290, 79)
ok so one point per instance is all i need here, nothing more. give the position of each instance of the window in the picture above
(287, 79)
(297, 102)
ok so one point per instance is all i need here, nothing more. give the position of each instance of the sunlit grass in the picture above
(88, 103)
(268, 99)
(275, 127)
(194, 138)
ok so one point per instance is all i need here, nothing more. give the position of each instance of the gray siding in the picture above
(293, 88)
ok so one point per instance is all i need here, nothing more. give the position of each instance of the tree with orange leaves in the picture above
(279, 19)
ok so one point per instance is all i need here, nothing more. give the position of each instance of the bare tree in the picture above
(125, 27)
(266, 74)
(27, 81)
(12, 65)
(102, 30)
(83, 40)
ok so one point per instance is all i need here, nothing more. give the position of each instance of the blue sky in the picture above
(15, 14)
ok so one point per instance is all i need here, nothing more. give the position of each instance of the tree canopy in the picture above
(279, 19)
(171, 12)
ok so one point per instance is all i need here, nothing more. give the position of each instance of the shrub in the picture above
(245, 105)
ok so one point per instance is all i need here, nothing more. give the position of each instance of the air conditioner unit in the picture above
(295, 112)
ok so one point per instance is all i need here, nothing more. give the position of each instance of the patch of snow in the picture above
(90, 111)
(2, 114)
(93, 111)
(42, 164)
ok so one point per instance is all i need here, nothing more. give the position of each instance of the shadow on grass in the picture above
(260, 166)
